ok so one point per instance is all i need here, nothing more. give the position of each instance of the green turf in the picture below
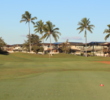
(60, 77)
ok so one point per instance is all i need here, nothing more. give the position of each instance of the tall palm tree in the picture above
(84, 25)
(39, 28)
(26, 17)
(50, 30)
(107, 31)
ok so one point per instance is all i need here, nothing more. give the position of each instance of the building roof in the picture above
(72, 43)
(14, 45)
(76, 43)
(95, 43)
(58, 43)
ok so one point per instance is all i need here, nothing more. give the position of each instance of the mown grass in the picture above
(59, 77)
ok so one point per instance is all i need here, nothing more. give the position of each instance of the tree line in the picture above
(48, 30)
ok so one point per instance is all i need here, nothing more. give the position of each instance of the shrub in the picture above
(3, 52)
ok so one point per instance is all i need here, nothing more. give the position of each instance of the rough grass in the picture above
(60, 77)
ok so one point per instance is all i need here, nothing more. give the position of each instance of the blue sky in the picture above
(65, 14)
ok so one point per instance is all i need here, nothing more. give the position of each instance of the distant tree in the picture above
(2, 42)
(65, 47)
(108, 32)
(34, 40)
(84, 25)
(50, 30)
(26, 17)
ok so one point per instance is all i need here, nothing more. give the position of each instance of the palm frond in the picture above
(36, 31)
(45, 35)
(22, 21)
(33, 22)
(28, 15)
(24, 17)
(108, 26)
(55, 38)
(80, 24)
(56, 32)
(107, 36)
(55, 29)
(106, 31)
(33, 18)
(91, 26)
(80, 28)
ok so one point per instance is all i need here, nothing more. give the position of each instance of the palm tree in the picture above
(39, 28)
(107, 31)
(84, 25)
(50, 30)
(26, 17)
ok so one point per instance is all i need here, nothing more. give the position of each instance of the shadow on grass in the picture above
(3, 52)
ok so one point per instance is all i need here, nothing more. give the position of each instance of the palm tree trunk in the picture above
(43, 43)
(86, 42)
(50, 46)
(29, 38)
(93, 49)
(109, 50)
(65, 48)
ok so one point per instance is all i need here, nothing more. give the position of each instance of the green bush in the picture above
(3, 52)
(37, 49)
